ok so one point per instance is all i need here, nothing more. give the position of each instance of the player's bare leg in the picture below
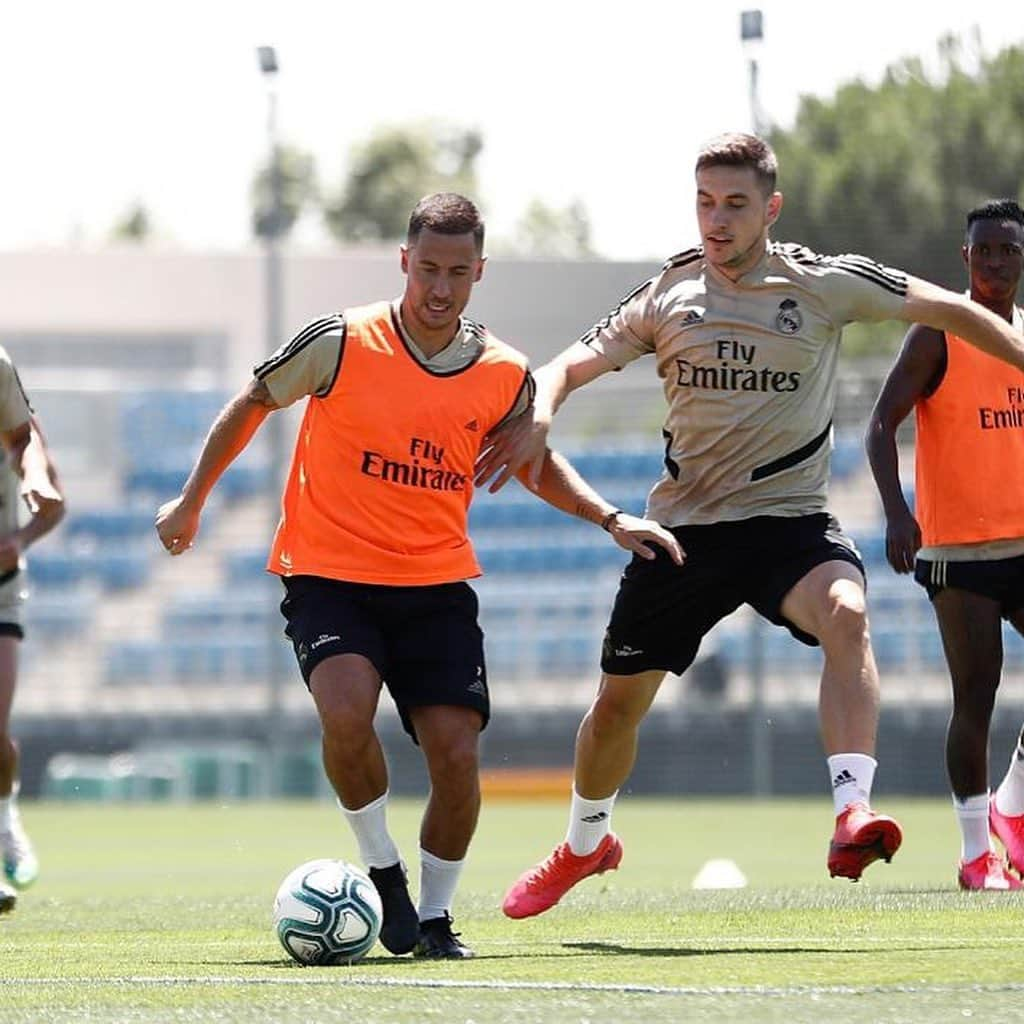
(606, 742)
(450, 738)
(971, 628)
(20, 866)
(829, 604)
(8, 750)
(346, 690)
(606, 746)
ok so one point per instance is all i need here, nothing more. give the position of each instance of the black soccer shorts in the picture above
(425, 642)
(1001, 579)
(662, 611)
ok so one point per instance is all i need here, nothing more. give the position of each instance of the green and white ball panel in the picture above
(327, 912)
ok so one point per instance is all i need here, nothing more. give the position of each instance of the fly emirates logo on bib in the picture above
(423, 468)
(1009, 416)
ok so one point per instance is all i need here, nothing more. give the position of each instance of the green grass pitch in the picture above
(162, 913)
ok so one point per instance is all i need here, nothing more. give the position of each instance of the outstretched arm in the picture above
(177, 521)
(915, 374)
(928, 304)
(561, 486)
(523, 441)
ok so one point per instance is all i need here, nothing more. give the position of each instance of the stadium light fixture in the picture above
(752, 36)
(751, 26)
(267, 57)
(274, 428)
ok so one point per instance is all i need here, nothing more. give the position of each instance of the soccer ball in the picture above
(327, 912)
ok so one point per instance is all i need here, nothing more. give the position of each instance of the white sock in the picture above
(589, 822)
(972, 813)
(1010, 794)
(7, 812)
(370, 826)
(438, 880)
(851, 776)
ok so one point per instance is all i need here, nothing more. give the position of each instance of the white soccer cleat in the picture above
(8, 899)
(20, 864)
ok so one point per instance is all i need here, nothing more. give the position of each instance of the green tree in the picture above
(392, 170)
(298, 188)
(891, 170)
(134, 225)
(551, 233)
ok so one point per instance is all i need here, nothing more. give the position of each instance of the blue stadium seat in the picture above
(245, 565)
(131, 661)
(109, 524)
(784, 653)
(891, 646)
(932, 653)
(162, 432)
(120, 568)
(235, 609)
(590, 553)
(1013, 649)
(847, 456)
(50, 566)
(228, 656)
(117, 566)
(155, 480)
(571, 653)
(640, 464)
(153, 421)
(871, 547)
(58, 614)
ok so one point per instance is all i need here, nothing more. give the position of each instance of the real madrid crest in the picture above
(789, 319)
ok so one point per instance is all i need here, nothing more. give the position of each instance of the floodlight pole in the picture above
(751, 36)
(273, 427)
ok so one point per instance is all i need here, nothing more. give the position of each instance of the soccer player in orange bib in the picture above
(966, 544)
(745, 333)
(372, 545)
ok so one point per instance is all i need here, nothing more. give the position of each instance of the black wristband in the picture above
(606, 523)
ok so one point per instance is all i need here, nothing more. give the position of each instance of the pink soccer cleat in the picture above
(986, 872)
(545, 884)
(861, 837)
(1009, 830)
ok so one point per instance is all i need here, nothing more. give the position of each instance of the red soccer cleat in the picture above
(861, 837)
(1009, 830)
(545, 884)
(986, 872)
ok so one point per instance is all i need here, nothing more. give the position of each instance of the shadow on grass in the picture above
(612, 948)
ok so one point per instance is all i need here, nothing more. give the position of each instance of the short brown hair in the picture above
(737, 149)
(447, 213)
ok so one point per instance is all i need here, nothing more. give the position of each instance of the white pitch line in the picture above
(529, 986)
(724, 943)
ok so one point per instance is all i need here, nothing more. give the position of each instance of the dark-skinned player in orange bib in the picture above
(964, 542)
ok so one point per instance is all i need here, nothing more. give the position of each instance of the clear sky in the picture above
(112, 101)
